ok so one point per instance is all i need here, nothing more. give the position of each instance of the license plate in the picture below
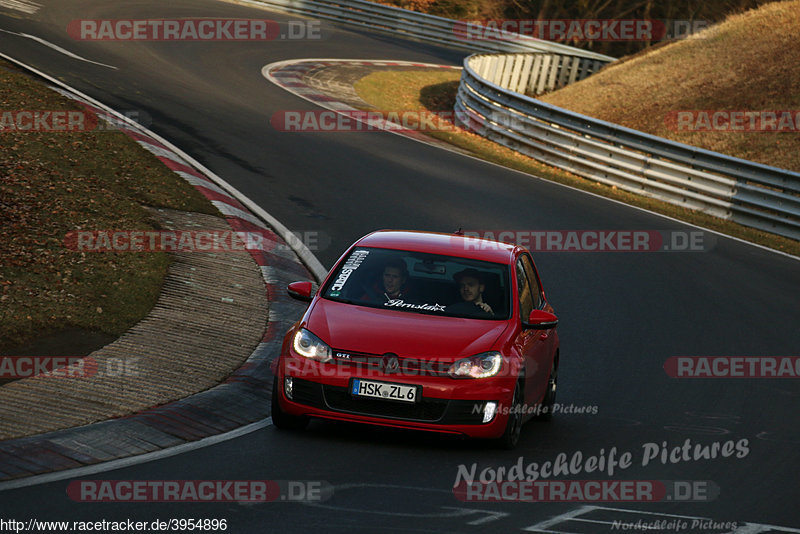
(383, 390)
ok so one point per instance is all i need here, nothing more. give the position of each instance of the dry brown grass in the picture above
(749, 62)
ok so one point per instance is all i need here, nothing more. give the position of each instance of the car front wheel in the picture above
(281, 419)
(510, 437)
(549, 400)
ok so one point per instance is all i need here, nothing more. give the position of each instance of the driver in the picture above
(470, 287)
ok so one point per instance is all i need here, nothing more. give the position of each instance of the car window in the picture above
(421, 283)
(533, 280)
(524, 293)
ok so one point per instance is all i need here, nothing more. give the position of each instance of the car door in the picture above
(533, 344)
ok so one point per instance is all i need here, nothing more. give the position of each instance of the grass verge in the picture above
(435, 90)
(53, 183)
(744, 64)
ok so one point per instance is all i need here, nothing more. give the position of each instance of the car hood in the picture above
(347, 327)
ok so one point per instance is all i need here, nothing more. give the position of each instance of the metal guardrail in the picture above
(491, 102)
(751, 194)
(423, 27)
(535, 74)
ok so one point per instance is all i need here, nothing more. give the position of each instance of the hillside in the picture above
(705, 13)
(747, 63)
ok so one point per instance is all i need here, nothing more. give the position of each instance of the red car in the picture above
(426, 331)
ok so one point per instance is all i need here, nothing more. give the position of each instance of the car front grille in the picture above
(427, 410)
(408, 366)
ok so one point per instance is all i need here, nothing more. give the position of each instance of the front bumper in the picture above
(447, 405)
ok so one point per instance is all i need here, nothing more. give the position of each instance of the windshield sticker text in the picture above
(400, 303)
(350, 265)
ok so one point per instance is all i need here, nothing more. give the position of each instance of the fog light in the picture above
(287, 386)
(488, 411)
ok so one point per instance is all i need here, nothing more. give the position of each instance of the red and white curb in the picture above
(290, 75)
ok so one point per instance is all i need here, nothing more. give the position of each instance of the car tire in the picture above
(281, 419)
(549, 400)
(511, 435)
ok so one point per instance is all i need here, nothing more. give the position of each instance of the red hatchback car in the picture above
(426, 331)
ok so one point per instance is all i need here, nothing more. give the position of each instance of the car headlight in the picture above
(308, 345)
(479, 366)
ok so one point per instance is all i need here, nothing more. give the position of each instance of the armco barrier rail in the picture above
(751, 194)
(534, 73)
(491, 98)
(422, 27)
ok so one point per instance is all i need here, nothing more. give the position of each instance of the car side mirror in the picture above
(300, 291)
(541, 320)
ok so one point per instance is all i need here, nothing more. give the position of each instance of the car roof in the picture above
(435, 243)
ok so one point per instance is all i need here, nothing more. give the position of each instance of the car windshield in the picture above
(421, 283)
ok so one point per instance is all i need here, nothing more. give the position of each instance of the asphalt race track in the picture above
(622, 315)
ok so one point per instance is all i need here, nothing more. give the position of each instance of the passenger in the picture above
(470, 287)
